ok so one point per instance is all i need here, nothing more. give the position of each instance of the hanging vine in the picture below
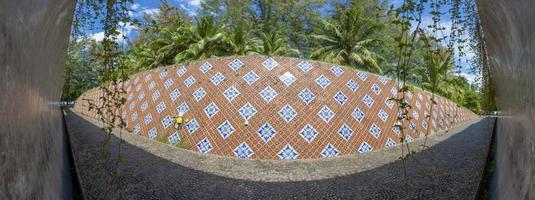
(441, 46)
(112, 15)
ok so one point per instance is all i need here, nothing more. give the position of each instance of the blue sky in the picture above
(141, 7)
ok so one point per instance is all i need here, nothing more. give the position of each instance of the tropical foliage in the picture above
(358, 34)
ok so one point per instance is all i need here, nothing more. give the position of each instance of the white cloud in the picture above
(134, 6)
(124, 31)
(469, 76)
(97, 36)
(150, 11)
(195, 3)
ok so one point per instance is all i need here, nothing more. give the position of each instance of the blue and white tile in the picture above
(235, 64)
(288, 153)
(168, 83)
(155, 95)
(231, 93)
(204, 146)
(365, 147)
(307, 96)
(287, 78)
(183, 107)
(352, 85)
(205, 67)
(250, 77)
(362, 75)
(375, 130)
(180, 72)
(192, 126)
(376, 89)
(243, 151)
(326, 114)
(270, 63)
(211, 110)
(287, 113)
(330, 151)
(337, 70)
(345, 132)
(199, 94)
(367, 100)
(225, 129)
(174, 138)
(160, 107)
(323, 81)
(268, 94)
(153, 133)
(247, 111)
(175, 94)
(340, 97)
(147, 119)
(189, 81)
(308, 133)
(357, 114)
(305, 66)
(217, 78)
(383, 115)
(266, 132)
(167, 121)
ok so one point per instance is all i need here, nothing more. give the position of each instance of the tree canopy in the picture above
(358, 34)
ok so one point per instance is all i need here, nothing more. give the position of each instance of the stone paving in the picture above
(452, 170)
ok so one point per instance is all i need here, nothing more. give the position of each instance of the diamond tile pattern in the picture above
(288, 153)
(247, 111)
(231, 93)
(204, 146)
(287, 113)
(266, 132)
(329, 151)
(235, 64)
(279, 109)
(305, 66)
(287, 78)
(323, 81)
(270, 63)
(211, 110)
(308, 133)
(268, 94)
(199, 94)
(337, 70)
(250, 77)
(345, 132)
(307, 96)
(225, 129)
(340, 97)
(326, 114)
(205, 67)
(365, 147)
(217, 78)
(243, 151)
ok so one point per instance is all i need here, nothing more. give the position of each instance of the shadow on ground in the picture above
(451, 170)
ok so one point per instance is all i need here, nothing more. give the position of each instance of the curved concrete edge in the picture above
(277, 170)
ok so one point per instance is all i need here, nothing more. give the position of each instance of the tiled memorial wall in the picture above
(294, 109)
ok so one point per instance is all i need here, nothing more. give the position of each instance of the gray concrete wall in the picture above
(33, 43)
(509, 28)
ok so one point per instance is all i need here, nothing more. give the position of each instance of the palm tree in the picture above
(205, 40)
(274, 45)
(435, 76)
(349, 40)
(241, 42)
(171, 40)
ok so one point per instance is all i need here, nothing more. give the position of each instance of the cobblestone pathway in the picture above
(451, 170)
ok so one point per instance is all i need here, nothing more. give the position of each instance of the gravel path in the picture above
(451, 170)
